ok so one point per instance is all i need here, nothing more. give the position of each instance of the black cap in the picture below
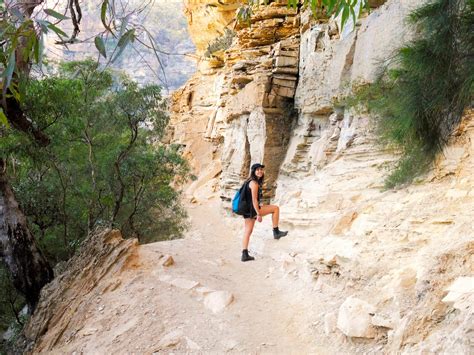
(256, 166)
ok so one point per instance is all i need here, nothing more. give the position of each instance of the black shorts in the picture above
(252, 214)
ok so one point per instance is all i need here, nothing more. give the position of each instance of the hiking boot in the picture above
(246, 256)
(277, 234)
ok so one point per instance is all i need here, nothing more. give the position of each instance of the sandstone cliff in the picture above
(362, 270)
(275, 98)
(240, 108)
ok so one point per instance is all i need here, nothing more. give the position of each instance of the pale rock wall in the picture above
(240, 106)
(192, 107)
(395, 252)
(399, 251)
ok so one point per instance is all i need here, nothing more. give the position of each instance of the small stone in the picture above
(217, 301)
(171, 339)
(184, 284)
(380, 320)
(89, 331)
(330, 321)
(167, 260)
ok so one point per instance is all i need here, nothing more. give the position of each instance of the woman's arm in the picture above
(254, 189)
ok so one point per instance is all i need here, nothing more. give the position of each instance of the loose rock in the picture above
(461, 293)
(184, 284)
(217, 301)
(167, 260)
(171, 339)
(355, 318)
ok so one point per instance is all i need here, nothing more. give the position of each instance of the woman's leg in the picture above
(274, 210)
(249, 223)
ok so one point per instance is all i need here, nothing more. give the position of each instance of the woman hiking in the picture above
(257, 211)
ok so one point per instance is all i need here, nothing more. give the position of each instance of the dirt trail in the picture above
(157, 309)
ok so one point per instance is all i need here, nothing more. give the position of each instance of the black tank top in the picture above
(260, 193)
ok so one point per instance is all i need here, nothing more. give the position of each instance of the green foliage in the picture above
(104, 166)
(420, 98)
(345, 8)
(11, 303)
(22, 32)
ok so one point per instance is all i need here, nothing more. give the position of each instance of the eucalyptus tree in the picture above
(23, 26)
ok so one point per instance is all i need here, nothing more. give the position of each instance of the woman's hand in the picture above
(259, 218)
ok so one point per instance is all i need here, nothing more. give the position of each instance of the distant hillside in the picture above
(163, 19)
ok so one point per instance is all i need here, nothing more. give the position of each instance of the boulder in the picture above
(355, 318)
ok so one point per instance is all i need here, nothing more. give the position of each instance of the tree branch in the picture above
(18, 119)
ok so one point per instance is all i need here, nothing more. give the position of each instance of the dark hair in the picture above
(254, 177)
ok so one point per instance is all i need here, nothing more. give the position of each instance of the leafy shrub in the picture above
(105, 165)
(420, 100)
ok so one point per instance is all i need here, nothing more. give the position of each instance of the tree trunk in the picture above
(29, 268)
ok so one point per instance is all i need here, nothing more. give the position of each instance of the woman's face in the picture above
(259, 172)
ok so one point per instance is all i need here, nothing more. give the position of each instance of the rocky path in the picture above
(384, 272)
(259, 319)
(207, 301)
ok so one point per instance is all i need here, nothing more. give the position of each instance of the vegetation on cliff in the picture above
(420, 97)
(320, 8)
(104, 166)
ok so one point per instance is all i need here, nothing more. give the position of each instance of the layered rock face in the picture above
(66, 303)
(244, 104)
(330, 145)
(392, 266)
(239, 109)
(383, 264)
(384, 259)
